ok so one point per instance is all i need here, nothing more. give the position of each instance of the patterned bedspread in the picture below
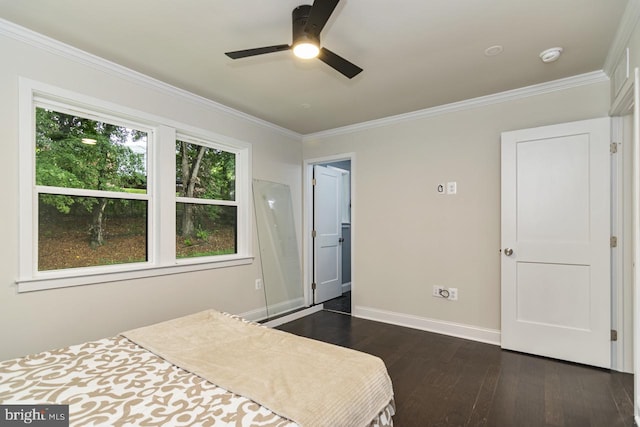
(114, 382)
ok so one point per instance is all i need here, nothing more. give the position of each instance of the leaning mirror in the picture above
(279, 255)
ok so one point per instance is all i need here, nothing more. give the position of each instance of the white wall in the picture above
(408, 238)
(36, 321)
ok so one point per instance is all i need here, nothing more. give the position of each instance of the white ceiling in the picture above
(415, 53)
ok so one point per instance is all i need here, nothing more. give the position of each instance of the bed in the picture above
(205, 369)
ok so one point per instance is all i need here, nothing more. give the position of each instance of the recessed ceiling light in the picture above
(550, 55)
(493, 50)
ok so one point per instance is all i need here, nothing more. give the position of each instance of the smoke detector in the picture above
(493, 50)
(551, 55)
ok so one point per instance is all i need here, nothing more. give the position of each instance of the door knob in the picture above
(508, 251)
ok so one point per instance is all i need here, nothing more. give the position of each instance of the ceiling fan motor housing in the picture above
(300, 16)
(307, 24)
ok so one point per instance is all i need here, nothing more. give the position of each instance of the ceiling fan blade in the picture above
(257, 51)
(319, 15)
(337, 62)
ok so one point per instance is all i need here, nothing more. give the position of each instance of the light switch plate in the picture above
(452, 187)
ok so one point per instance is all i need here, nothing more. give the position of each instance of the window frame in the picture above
(160, 196)
(191, 139)
(43, 102)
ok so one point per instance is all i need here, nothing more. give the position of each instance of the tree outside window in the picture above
(92, 191)
(206, 208)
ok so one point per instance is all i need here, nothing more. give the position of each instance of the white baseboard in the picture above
(285, 306)
(262, 313)
(293, 316)
(346, 287)
(474, 333)
(255, 315)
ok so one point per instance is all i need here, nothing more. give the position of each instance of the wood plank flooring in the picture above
(341, 304)
(445, 381)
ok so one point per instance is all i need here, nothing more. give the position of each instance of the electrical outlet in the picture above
(453, 294)
(436, 291)
(258, 284)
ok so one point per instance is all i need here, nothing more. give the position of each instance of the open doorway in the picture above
(328, 231)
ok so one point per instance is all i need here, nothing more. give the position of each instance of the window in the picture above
(91, 187)
(104, 189)
(206, 210)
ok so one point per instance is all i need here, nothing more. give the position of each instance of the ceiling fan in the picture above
(308, 22)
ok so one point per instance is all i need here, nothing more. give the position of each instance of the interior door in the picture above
(556, 241)
(328, 232)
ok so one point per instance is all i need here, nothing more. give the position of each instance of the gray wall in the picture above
(408, 238)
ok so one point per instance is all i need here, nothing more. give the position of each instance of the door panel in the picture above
(552, 203)
(551, 286)
(328, 227)
(556, 220)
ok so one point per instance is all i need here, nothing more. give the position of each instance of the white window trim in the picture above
(240, 188)
(160, 191)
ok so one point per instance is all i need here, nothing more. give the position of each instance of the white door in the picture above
(328, 232)
(556, 241)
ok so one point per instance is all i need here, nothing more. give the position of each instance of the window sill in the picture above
(54, 280)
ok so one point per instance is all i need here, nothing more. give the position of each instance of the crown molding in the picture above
(58, 48)
(627, 24)
(511, 95)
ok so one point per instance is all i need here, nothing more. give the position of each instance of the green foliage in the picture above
(201, 233)
(63, 160)
(212, 178)
(61, 203)
(207, 173)
(207, 253)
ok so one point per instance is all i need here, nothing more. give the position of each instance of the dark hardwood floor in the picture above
(341, 304)
(445, 381)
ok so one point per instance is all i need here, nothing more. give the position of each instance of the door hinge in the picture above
(614, 335)
(313, 234)
(613, 242)
(613, 148)
(313, 182)
(313, 286)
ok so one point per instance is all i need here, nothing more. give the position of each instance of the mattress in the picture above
(115, 382)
